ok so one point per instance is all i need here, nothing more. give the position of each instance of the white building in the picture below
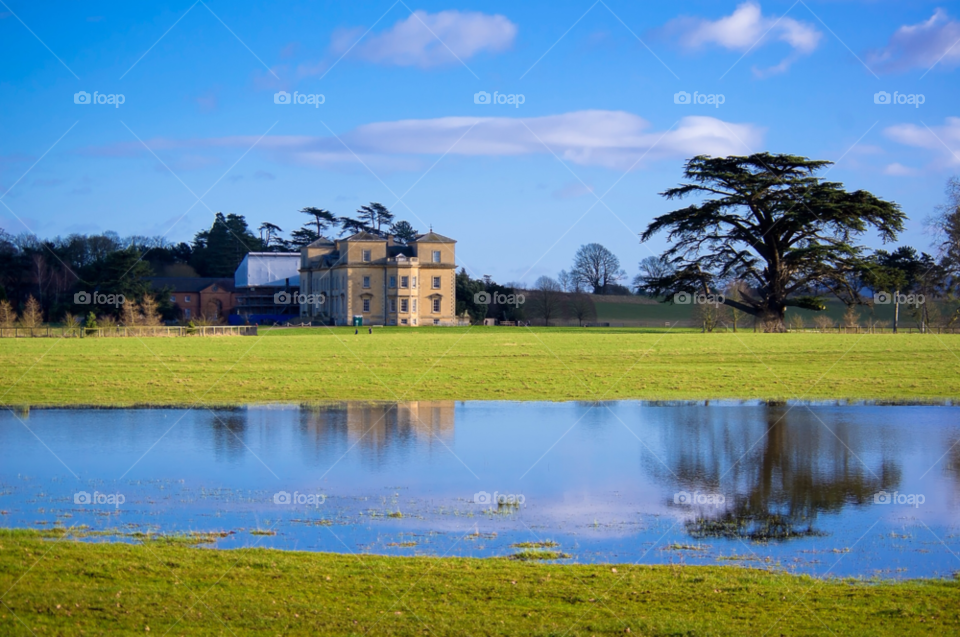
(269, 269)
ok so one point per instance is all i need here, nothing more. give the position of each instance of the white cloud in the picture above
(943, 140)
(430, 39)
(744, 29)
(899, 170)
(921, 45)
(613, 139)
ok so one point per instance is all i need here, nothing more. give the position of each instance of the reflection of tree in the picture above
(777, 472)
(228, 433)
(953, 460)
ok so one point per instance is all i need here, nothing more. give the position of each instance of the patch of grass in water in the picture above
(528, 555)
(546, 544)
(676, 546)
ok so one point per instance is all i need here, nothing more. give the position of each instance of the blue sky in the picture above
(520, 186)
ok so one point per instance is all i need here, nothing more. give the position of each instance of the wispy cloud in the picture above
(943, 140)
(612, 139)
(920, 45)
(745, 29)
(899, 170)
(429, 39)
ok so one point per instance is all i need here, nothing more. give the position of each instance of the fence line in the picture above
(122, 332)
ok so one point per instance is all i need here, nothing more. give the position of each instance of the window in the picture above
(403, 321)
(366, 282)
(414, 281)
(186, 313)
(393, 305)
(436, 256)
(366, 305)
(436, 283)
(173, 299)
(414, 306)
(436, 321)
(404, 281)
(393, 281)
(366, 256)
(414, 321)
(436, 305)
(404, 305)
(186, 298)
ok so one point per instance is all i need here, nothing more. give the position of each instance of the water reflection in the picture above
(379, 429)
(599, 479)
(777, 473)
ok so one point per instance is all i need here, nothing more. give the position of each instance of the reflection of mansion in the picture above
(378, 281)
(380, 425)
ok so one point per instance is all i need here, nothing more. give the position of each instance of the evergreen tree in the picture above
(218, 251)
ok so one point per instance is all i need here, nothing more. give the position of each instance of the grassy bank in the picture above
(320, 364)
(60, 586)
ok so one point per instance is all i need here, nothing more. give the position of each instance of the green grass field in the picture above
(638, 311)
(478, 363)
(65, 587)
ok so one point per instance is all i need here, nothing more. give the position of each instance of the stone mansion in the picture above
(382, 282)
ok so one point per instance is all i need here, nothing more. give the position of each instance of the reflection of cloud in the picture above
(744, 29)
(613, 139)
(921, 45)
(422, 39)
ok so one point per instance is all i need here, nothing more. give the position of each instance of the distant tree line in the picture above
(39, 277)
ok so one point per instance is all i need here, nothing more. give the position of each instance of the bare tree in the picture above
(580, 307)
(129, 316)
(148, 311)
(566, 281)
(8, 316)
(32, 315)
(546, 301)
(735, 292)
(597, 267)
(651, 269)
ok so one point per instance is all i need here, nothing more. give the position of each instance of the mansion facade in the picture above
(372, 278)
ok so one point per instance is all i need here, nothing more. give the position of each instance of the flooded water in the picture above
(825, 490)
